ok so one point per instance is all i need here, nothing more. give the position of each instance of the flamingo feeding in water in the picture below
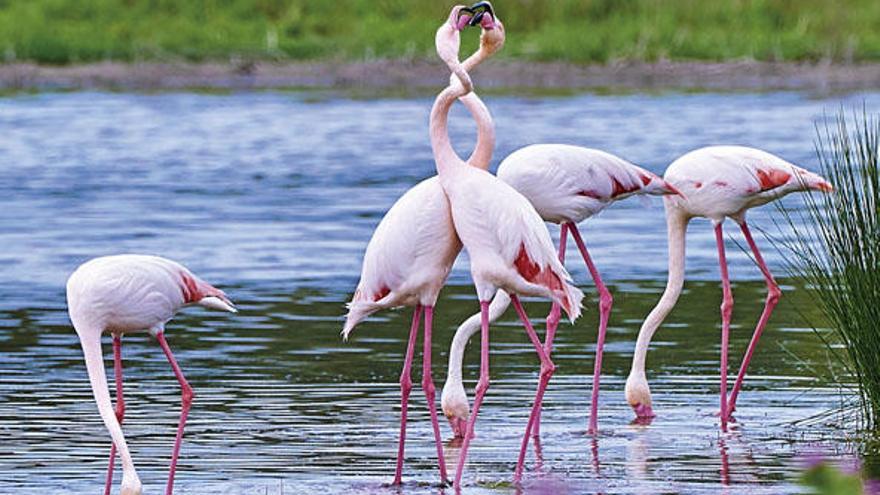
(566, 185)
(413, 249)
(717, 182)
(508, 244)
(132, 293)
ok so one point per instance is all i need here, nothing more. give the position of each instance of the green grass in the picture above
(69, 31)
(836, 250)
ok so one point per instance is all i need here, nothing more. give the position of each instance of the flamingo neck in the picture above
(468, 329)
(445, 157)
(91, 345)
(676, 231)
(482, 153)
(456, 352)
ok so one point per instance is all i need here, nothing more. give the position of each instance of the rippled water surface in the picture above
(273, 196)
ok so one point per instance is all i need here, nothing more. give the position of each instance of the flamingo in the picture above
(132, 293)
(508, 244)
(566, 185)
(718, 182)
(413, 249)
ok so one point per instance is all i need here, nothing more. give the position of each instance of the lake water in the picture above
(273, 197)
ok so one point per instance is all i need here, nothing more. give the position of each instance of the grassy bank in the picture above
(71, 31)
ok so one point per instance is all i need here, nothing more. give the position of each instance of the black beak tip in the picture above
(480, 9)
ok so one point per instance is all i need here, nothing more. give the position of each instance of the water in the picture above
(273, 196)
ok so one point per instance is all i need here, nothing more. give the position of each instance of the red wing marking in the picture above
(190, 289)
(772, 179)
(619, 188)
(698, 185)
(721, 183)
(537, 275)
(590, 194)
(384, 291)
(645, 179)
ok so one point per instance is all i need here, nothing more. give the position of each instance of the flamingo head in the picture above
(455, 406)
(493, 35)
(638, 395)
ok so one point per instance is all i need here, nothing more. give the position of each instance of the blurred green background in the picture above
(581, 31)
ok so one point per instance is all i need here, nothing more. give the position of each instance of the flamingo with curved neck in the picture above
(412, 251)
(132, 293)
(507, 242)
(718, 182)
(566, 184)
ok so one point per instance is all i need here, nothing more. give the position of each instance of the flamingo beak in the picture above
(221, 303)
(483, 14)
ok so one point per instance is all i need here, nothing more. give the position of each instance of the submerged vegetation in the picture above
(836, 249)
(69, 31)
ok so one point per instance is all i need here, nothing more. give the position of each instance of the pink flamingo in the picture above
(566, 185)
(717, 182)
(507, 242)
(413, 249)
(132, 293)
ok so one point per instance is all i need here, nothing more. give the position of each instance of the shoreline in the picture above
(420, 76)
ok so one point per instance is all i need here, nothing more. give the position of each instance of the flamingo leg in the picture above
(552, 324)
(120, 405)
(482, 387)
(605, 303)
(405, 388)
(773, 295)
(430, 391)
(547, 369)
(726, 312)
(186, 399)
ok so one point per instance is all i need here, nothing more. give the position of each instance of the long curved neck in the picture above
(445, 157)
(676, 224)
(97, 377)
(468, 329)
(482, 153)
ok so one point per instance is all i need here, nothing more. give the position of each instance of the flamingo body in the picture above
(725, 181)
(409, 256)
(134, 293)
(568, 183)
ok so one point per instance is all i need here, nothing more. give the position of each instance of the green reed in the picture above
(836, 249)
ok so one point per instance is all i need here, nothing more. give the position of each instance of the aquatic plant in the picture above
(836, 250)
(826, 478)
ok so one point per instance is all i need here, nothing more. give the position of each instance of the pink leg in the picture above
(120, 405)
(552, 321)
(726, 312)
(405, 388)
(547, 369)
(773, 295)
(428, 387)
(605, 302)
(186, 399)
(482, 386)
